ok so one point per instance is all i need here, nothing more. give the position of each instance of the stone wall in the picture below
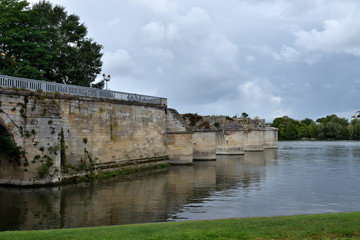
(180, 149)
(270, 138)
(204, 145)
(230, 142)
(66, 136)
(179, 139)
(254, 140)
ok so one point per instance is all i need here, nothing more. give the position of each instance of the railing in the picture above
(34, 85)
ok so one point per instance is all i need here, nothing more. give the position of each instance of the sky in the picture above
(268, 58)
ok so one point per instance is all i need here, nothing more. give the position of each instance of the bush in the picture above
(9, 149)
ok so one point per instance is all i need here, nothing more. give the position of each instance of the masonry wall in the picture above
(68, 136)
(254, 140)
(180, 149)
(109, 133)
(179, 139)
(270, 138)
(204, 145)
(230, 142)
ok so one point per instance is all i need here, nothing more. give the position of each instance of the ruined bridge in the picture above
(51, 133)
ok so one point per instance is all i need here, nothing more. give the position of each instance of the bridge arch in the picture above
(11, 128)
(10, 162)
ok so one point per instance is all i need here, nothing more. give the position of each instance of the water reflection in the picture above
(155, 197)
(302, 177)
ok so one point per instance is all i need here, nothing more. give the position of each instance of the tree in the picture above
(281, 120)
(307, 121)
(354, 130)
(333, 118)
(332, 130)
(330, 127)
(320, 132)
(290, 132)
(302, 130)
(244, 115)
(77, 59)
(312, 130)
(288, 128)
(46, 43)
(22, 43)
(333, 127)
(100, 84)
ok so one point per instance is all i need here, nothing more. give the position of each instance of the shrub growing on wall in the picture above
(9, 150)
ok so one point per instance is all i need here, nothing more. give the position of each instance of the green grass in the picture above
(321, 226)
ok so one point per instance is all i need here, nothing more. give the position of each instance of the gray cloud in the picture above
(267, 58)
(337, 35)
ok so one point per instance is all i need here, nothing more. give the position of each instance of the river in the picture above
(298, 178)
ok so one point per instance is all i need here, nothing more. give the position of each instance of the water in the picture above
(299, 178)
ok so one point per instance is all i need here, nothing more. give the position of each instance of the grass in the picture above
(320, 226)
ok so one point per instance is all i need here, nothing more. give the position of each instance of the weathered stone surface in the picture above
(254, 140)
(65, 136)
(68, 136)
(230, 142)
(179, 139)
(270, 138)
(180, 149)
(204, 145)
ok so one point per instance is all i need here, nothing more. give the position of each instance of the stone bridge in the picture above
(66, 136)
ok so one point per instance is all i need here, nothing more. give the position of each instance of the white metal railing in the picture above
(34, 85)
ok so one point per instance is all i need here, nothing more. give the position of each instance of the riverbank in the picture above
(319, 226)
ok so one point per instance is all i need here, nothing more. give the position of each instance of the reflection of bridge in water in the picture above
(135, 199)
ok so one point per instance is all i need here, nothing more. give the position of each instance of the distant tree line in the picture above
(330, 127)
(44, 42)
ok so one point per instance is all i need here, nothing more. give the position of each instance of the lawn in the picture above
(319, 226)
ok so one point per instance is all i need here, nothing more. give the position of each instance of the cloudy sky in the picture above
(268, 58)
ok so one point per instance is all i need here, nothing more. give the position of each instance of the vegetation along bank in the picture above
(330, 127)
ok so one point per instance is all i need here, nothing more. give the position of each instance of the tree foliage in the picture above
(45, 42)
(244, 115)
(22, 44)
(330, 127)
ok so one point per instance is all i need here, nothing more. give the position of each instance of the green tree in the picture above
(290, 132)
(307, 121)
(333, 118)
(244, 115)
(289, 129)
(312, 130)
(326, 128)
(345, 135)
(281, 120)
(77, 59)
(354, 130)
(320, 131)
(22, 43)
(302, 130)
(44, 42)
(332, 130)
(334, 127)
(281, 134)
